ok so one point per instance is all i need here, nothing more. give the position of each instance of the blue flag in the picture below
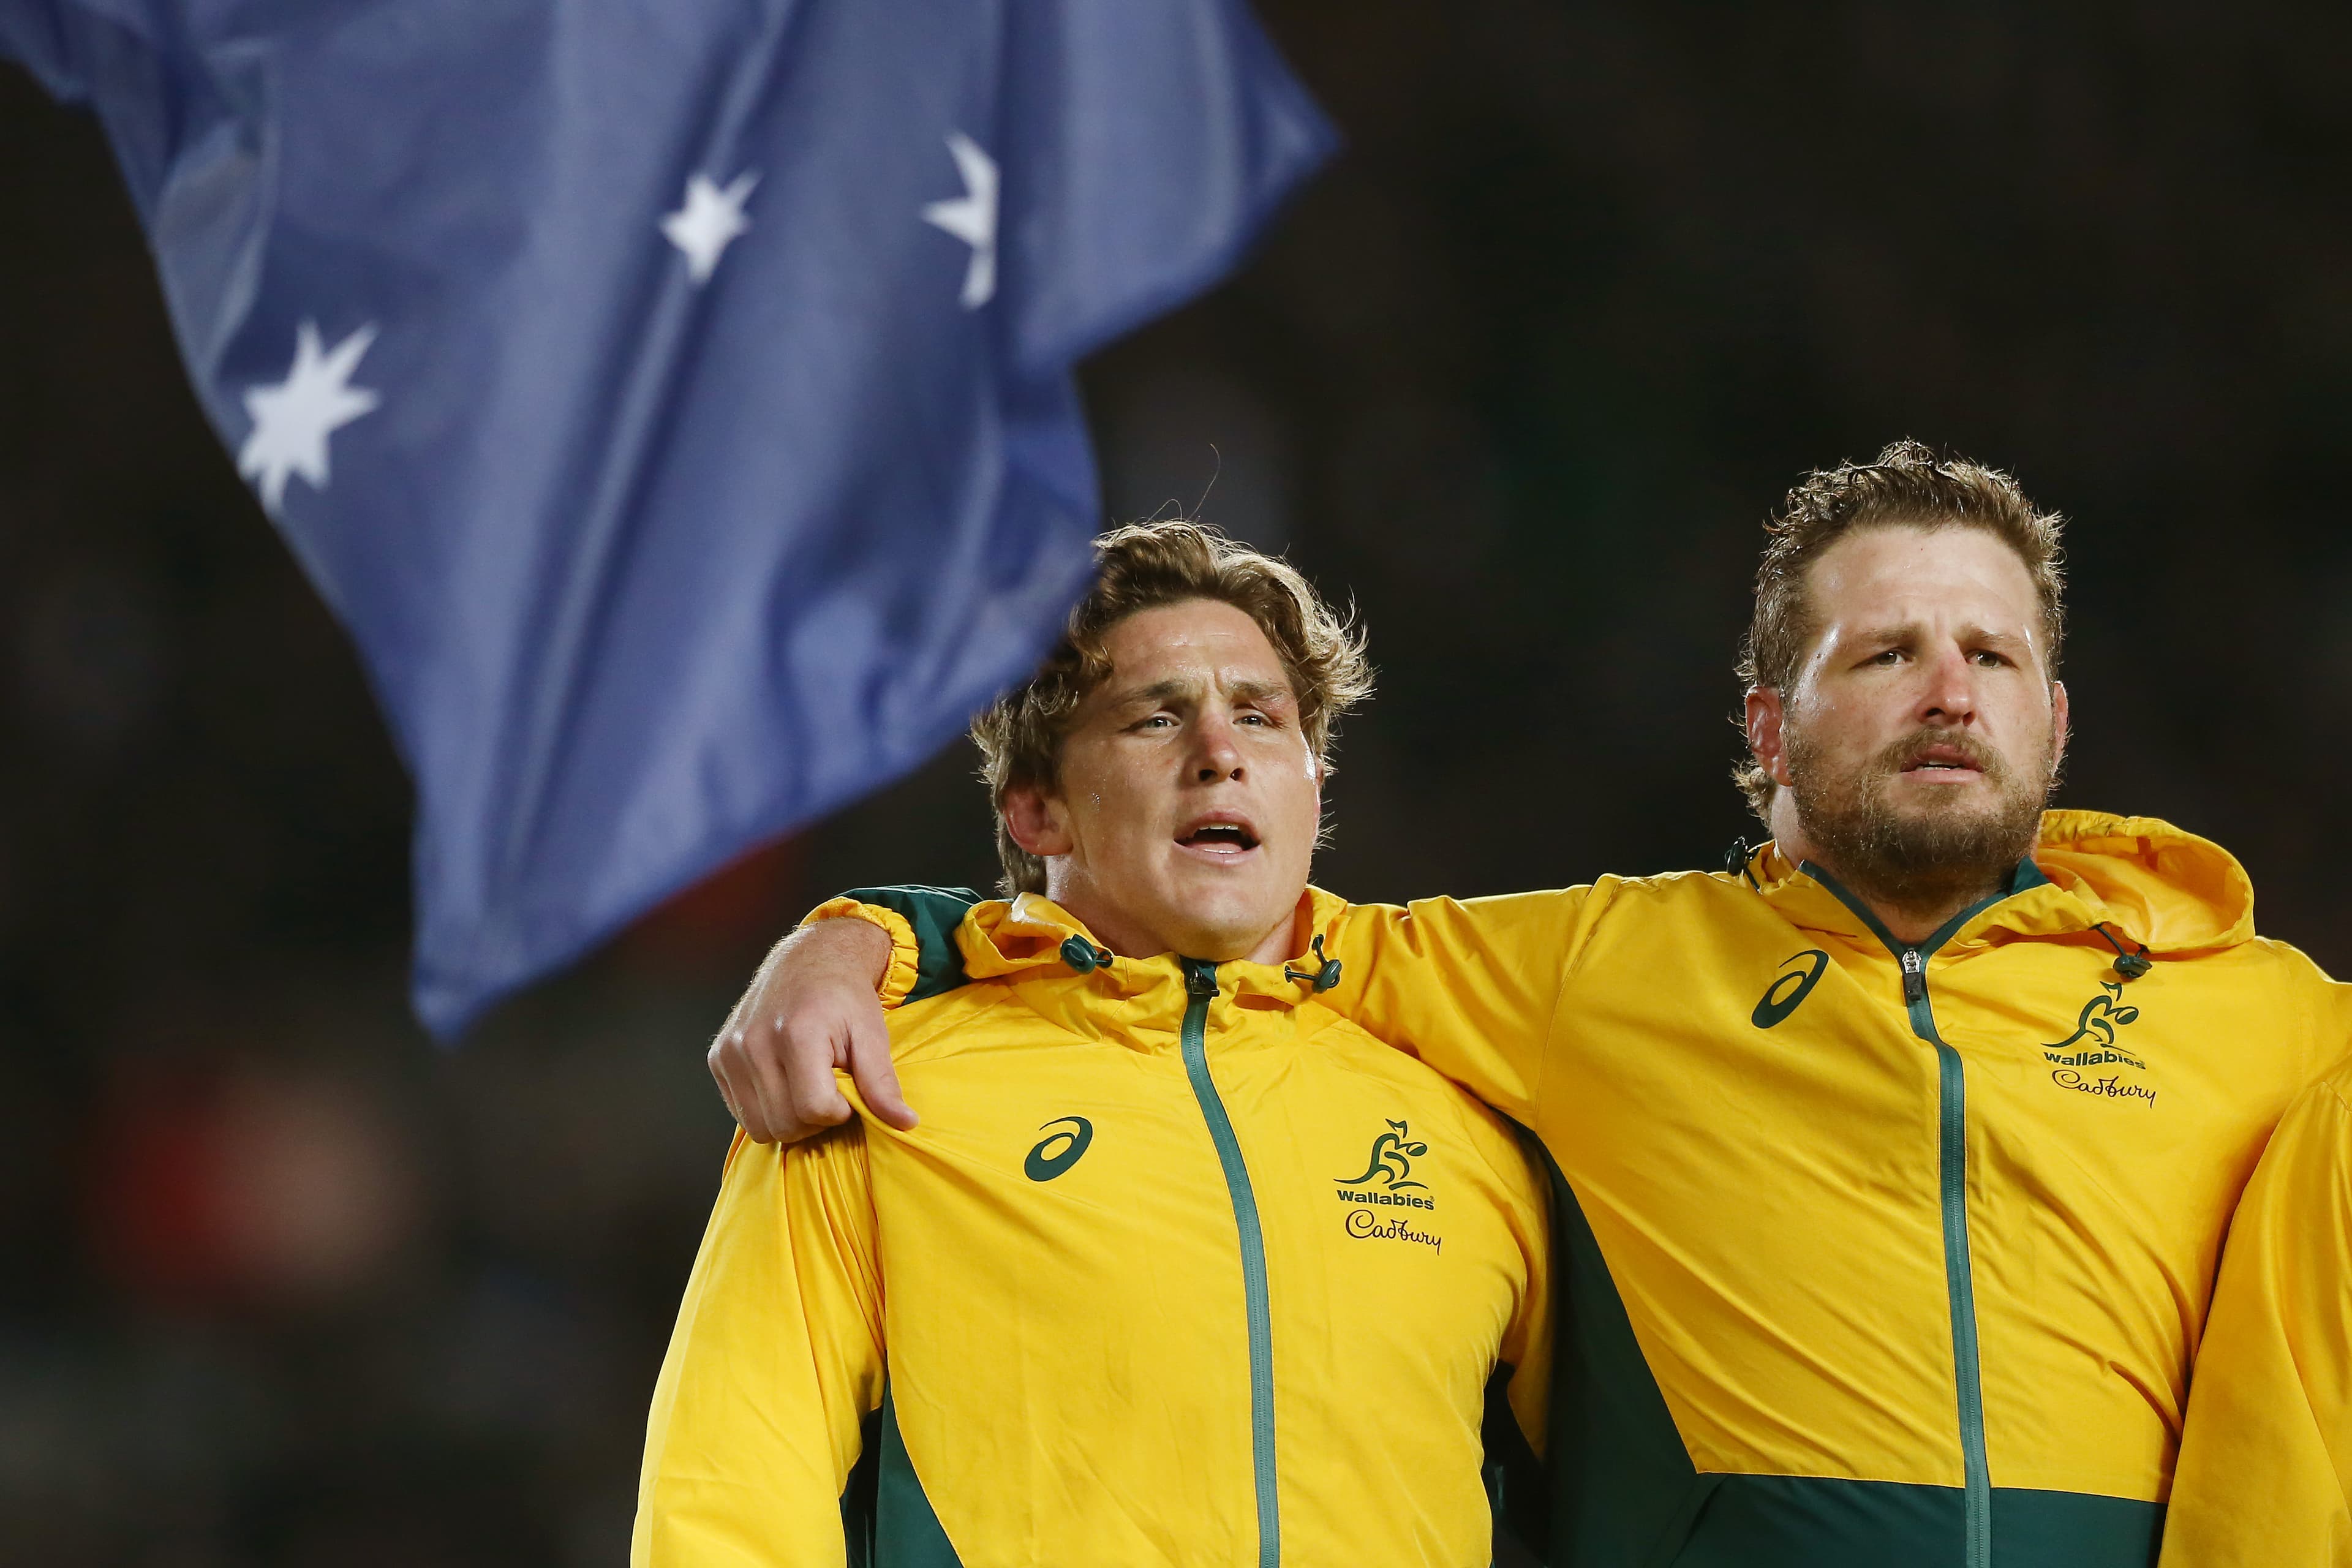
(674, 399)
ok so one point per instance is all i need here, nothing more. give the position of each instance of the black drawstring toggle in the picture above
(1084, 956)
(2129, 966)
(1325, 974)
(1735, 862)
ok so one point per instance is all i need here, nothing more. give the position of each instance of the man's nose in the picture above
(1951, 693)
(1216, 758)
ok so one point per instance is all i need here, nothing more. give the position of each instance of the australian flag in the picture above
(673, 398)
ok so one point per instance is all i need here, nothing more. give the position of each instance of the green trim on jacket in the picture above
(886, 1517)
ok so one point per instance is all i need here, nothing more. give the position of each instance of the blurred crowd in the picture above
(282, 1284)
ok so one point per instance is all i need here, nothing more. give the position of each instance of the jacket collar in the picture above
(1030, 937)
(2145, 881)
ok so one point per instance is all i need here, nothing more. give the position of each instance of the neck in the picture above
(1131, 936)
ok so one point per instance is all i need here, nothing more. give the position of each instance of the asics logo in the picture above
(1046, 1161)
(1784, 995)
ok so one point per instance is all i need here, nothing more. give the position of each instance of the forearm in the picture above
(828, 950)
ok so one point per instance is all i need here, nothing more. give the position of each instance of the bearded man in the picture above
(1891, 1163)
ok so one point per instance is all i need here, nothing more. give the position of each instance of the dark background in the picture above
(280, 1284)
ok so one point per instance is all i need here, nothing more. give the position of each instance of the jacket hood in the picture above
(2168, 890)
(1032, 937)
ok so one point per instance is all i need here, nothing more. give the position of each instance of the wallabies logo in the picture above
(1393, 1152)
(2093, 1043)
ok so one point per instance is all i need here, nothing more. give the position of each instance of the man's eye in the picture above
(1259, 719)
(1988, 658)
(1890, 656)
(1157, 721)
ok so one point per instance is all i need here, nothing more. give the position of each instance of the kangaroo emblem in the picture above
(2100, 1019)
(1393, 1153)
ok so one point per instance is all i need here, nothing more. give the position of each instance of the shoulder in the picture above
(996, 1015)
(1682, 892)
(951, 1022)
(2292, 963)
(2282, 973)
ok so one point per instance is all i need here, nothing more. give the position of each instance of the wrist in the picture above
(874, 942)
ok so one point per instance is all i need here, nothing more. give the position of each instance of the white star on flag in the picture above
(971, 217)
(292, 420)
(708, 221)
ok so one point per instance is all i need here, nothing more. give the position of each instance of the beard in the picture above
(1945, 852)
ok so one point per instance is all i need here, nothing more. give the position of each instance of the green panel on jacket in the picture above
(1623, 1486)
(934, 912)
(1626, 1495)
(886, 1518)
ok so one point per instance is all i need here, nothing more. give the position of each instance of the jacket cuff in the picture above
(906, 951)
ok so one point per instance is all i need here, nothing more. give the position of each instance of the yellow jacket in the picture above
(2267, 1458)
(1181, 1268)
(1869, 1254)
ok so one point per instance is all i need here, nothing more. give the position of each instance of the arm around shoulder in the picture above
(815, 1008)
(1472, 987)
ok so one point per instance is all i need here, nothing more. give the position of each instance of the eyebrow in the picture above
(1262, 690)
(1161, 691)
(1907, 631)
(1157, 693)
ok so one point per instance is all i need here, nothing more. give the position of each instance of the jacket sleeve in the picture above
(776, 1359)
(1526, 1345)
(1470, 986)
(2265, 1465)
(921, 925)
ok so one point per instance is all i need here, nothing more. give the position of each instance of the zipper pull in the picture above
(1200, 979)
(1915, 977)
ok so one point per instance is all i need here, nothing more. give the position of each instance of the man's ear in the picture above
(1036, 821)
(1764, 720)
(2058, 723)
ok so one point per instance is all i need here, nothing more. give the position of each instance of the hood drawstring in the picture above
(2129, 966)
(1735, 859)
(1085, 958)
(1325, 974)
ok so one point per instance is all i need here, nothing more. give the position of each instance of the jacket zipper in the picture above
(1952, 1158)
(1952, 1182)
(1200, 986)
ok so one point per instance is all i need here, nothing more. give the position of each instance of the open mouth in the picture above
(1949, 760)
(1224, 836)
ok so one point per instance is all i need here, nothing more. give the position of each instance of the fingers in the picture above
(810, 1010)
(870, 1068)
(799, 1064)
(751, 1068)
(716, 1059)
